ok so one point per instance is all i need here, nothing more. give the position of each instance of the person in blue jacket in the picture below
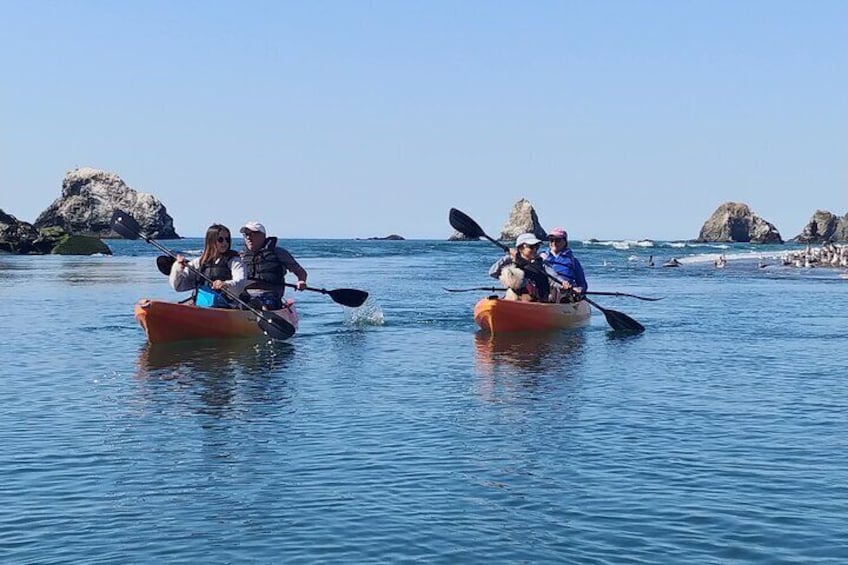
(560, 260)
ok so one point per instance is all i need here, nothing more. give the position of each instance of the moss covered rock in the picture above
(81, 245)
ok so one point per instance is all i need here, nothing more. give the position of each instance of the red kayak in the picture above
(168, 321)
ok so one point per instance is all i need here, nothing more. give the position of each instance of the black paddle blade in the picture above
(164, 264)
(622, 322)
(348, 297)
(618, 321)
(125, 225)
(274, 326)
(462, 223)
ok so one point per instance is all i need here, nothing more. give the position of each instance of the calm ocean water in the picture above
(397, 433)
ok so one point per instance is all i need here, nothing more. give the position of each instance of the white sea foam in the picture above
(741, 256)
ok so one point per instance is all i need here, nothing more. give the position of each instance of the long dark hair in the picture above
(210, 245)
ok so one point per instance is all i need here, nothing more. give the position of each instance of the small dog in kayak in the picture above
(513, 280)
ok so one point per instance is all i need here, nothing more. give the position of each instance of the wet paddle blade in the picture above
(274, 326)
(348, 296)
(125, 225)
(462, 223)
(618, 321)
(164, 264)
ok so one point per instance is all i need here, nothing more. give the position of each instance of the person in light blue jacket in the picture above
(561, 261)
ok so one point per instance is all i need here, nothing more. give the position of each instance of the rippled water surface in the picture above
(397, 433)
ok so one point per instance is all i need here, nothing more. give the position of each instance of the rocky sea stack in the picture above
(522, 219)
(824, 227)
(89, 196)
(734, 222)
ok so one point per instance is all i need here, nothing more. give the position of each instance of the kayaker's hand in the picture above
(301, 285)
(181, 261)
(217, 285)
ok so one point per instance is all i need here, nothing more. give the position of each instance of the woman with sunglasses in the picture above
(218, 262)
(562, 261)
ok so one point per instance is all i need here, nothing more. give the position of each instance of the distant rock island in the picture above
(735, 222)
(89, 196)
(391, 237)
(824, 227)
(74, 223)
(21, 238)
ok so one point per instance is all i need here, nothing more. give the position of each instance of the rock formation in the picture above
(735, 222)
(390, 237)
(841, 233)
(522, 219)
(89, 196)
(19, 237)
(459, 236)
(22, 238)
(824, 227)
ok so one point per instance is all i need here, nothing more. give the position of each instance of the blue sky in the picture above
(353, 119)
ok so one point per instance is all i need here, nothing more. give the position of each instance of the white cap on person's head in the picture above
(527, 239)
(253, 226)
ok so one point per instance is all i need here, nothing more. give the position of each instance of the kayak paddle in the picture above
(344, 296)
(273, 325)
(464, 224)
(598, 292)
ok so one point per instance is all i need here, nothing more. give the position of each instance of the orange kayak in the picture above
(496, 315)
(167, 321)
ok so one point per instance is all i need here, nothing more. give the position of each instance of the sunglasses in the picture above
(556, 239)
(222, 239)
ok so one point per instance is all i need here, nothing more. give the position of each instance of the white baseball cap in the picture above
(253, 226)
(527, 239)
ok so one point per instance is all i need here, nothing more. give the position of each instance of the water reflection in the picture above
(225, 376)
(532, 352)
(94, 270)
(513, 367)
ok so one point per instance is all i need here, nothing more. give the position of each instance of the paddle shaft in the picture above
(345, 296)
(593, 292)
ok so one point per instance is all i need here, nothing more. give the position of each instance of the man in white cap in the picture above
(524, 256)
(265, 267)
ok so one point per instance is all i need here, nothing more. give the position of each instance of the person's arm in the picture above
(182, 279)
(495, 269)
(237, 281)
(580, 276)
(292, 265)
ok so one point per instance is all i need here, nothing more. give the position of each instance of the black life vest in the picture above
(263, 268)
(535, 278)
(219, 269)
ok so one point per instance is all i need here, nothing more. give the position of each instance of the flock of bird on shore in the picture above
(829, 255)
